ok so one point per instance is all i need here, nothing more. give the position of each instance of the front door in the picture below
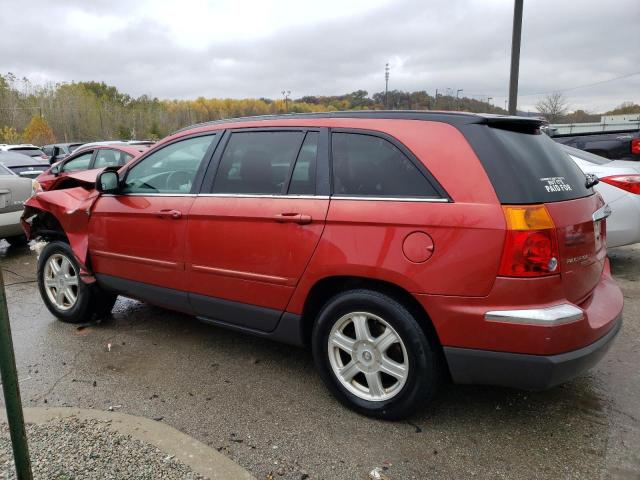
(137, 236)
(251, 235)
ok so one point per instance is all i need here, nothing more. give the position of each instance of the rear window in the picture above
(526, 167)
(32, 152)
(29, 172)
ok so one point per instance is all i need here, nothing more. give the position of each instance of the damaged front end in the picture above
(63, 214)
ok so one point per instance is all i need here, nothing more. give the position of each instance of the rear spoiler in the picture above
(516, 124)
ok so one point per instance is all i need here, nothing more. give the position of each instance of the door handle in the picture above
(175, 214)
(298, 218)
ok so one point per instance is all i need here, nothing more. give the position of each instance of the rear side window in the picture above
(526, 166)
(367, 165)
(257, 162)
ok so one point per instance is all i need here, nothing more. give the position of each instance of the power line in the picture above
(583, 86)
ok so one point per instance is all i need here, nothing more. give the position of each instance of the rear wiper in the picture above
(592, 180)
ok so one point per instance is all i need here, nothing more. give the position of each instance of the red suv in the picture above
(403, 247)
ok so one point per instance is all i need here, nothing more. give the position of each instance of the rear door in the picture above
(253, 229)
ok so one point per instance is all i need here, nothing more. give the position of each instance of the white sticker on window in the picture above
(556, 184)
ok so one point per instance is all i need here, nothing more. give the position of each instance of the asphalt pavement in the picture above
(263, 405)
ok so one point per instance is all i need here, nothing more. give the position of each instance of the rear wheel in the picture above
(374, 356)
(63, 291)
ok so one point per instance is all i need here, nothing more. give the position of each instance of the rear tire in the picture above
(373, 355)
(64, 293)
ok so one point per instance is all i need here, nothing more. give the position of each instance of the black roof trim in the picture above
(453, 118)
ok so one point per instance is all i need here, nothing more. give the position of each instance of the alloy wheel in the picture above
(367, 356)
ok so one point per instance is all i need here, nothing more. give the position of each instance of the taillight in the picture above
(630, 183)
(531, 245)
(635, 146)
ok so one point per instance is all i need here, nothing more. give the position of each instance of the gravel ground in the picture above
(68, 449)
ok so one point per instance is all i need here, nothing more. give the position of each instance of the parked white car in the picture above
(620, 187)
(14, 191)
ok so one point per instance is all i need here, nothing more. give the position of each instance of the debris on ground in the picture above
(377, 474)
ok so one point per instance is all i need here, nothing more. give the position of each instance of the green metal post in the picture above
(12, 392)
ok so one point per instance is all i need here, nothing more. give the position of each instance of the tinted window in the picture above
(32, 152)
(171, 169)
(257, 162)
(73, 147)
(79, 163)
(366, 165)
(48, 150)
(526, 167)
(303, 180)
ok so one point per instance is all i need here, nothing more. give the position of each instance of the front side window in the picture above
(367, 165)
(79, 163)
(171, 169)
(257, 162)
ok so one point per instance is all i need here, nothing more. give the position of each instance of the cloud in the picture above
(198, 48)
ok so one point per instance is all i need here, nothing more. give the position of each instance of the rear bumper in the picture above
(527, 372)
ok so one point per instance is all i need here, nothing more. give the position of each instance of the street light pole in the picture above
(11, 389)
(515, 57)
(458, 97)
(386, 86)
(286, 94)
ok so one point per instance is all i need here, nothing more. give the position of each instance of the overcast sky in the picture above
(226, 48)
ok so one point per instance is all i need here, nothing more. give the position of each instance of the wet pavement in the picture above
(263, 405)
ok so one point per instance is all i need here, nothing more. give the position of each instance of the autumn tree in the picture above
(553, 106)
(38, 132)
(9, 135)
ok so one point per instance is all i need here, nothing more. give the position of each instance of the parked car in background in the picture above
(620, 187)
(14, 191)
(26, 149)
(144, 143)
(62, 152)
(403, 247)
(23, 165)
(622, 145)
(88, 158)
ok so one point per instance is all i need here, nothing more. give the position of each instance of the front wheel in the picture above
(63, 291)
(373, 355)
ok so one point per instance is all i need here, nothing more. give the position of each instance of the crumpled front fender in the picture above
(72, 209)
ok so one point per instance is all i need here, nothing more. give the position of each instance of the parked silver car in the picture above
(23, 165)
(14, 191)
(620, 187)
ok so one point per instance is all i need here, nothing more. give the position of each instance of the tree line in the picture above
(88, 111)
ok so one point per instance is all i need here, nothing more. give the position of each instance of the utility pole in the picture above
(11, 389)
(515, 57)
(386, 86)
(286, 94)
(435, 102)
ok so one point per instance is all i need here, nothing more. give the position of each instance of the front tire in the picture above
(63, 291)
(373, 355)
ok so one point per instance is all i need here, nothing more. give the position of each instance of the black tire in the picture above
(425, 369)
(91, 301)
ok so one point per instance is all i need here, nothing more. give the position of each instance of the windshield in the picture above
(586, 156)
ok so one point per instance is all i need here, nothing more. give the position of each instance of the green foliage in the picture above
(624, 108)
(9, 135)
(86, 111)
